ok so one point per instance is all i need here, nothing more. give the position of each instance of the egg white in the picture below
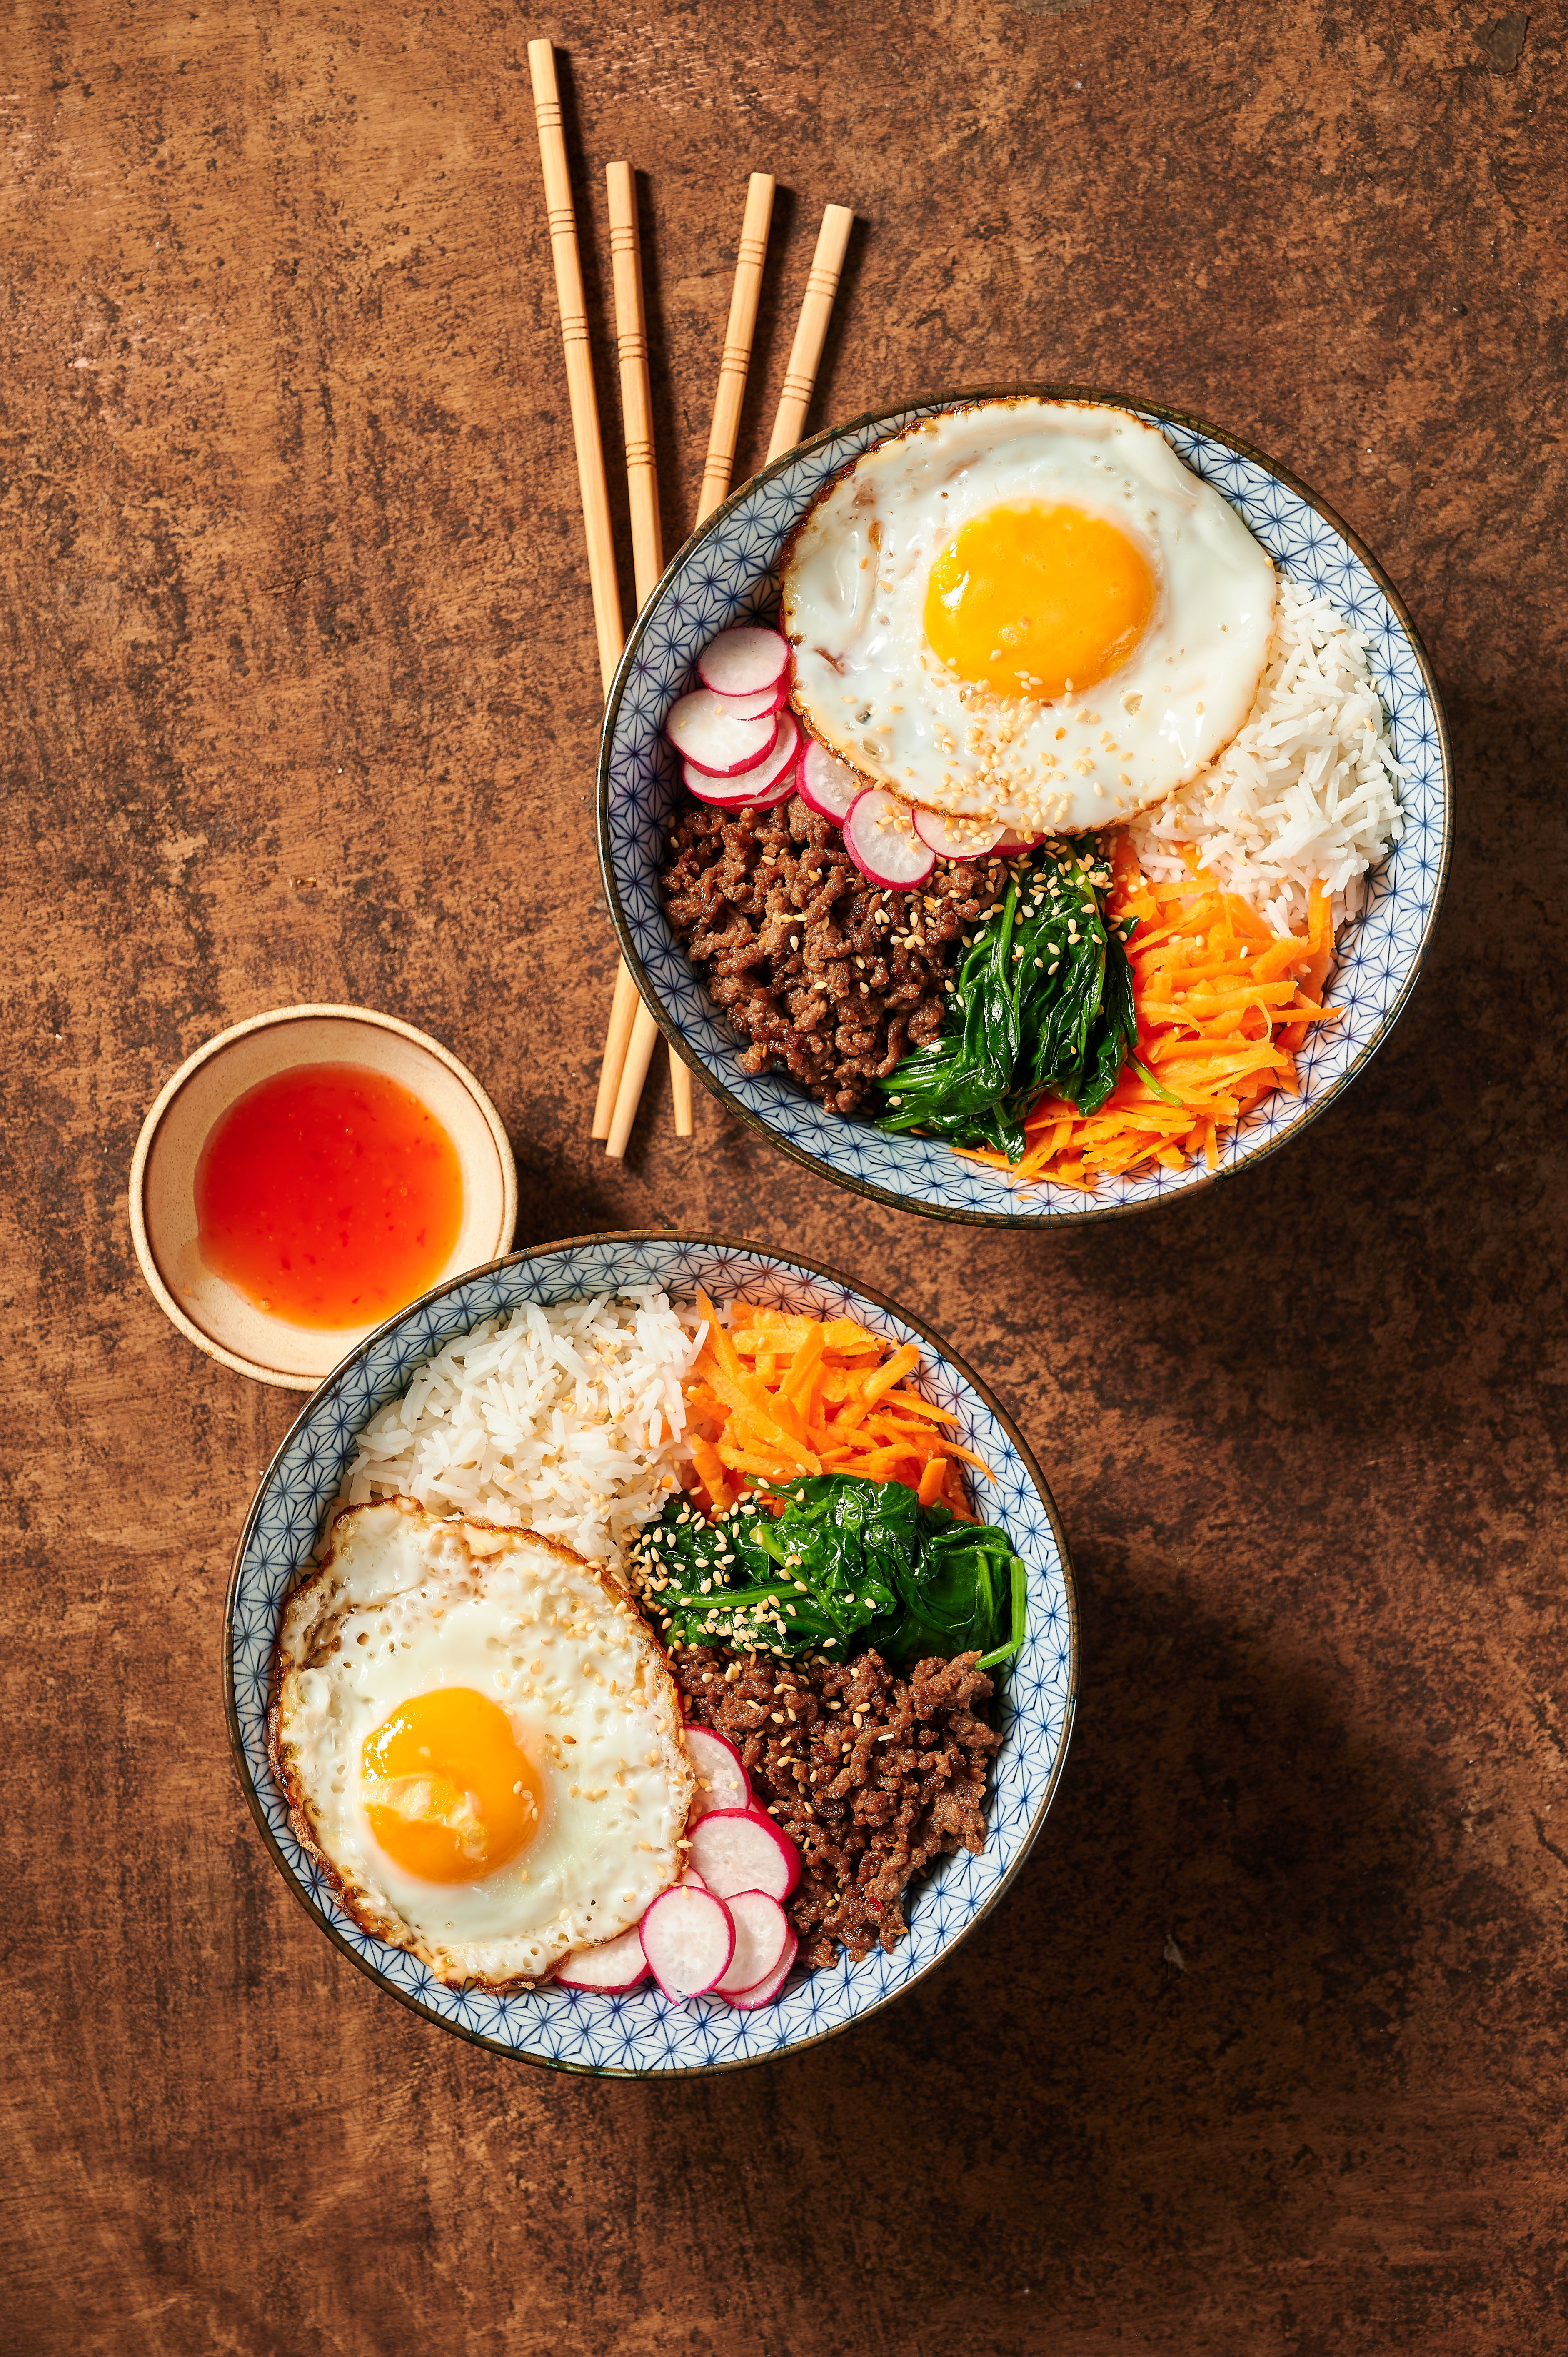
(405, 1603)
(869, 687)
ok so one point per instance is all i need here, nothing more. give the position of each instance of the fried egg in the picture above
(479, 1739)
(1028, 611)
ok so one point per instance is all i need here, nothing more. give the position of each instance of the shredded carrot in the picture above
(1224, 1004)
(772, 1396)
(911, 1404)
(893, 1371)
(801, 1379)
(933, 1475)
(710, 1466)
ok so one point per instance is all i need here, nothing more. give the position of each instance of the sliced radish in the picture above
(767, 699)
(719, 793)
(766, 1991)
(828, 786)
(882, 843)
(761, 1935)
(740, 1849)
(742, 661)
(1009, 842)
(961, 839)
(765, 782)
(704, 731)
(689, 1940)
(722, 1781)
(613, 1965)
(689, 1880)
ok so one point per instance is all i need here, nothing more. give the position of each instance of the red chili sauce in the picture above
(329, 1196)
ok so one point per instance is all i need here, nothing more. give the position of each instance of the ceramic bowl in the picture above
(640, 2034)
(726, 573)
(212, 1313)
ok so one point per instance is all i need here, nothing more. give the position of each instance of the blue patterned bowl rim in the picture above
(638, 2035)
(1406, 891)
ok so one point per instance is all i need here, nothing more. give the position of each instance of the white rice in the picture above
(567, 1420)
(1306, 792)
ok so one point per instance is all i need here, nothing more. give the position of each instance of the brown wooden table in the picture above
(1265, 2052)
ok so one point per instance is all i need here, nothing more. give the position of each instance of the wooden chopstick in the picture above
(618, 1039)
(647, 564)
(811, 330)
(642, 491)
(634, 1072)
(635, 397)
(591, 483)
(733, 364)
(735, 359)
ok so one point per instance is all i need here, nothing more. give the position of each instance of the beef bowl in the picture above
(470, 1399)
(822, 956)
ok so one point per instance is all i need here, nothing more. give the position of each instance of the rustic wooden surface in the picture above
(1265, 2052)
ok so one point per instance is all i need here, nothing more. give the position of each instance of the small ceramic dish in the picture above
(640, 2034)
(726, 574)
(212, 1313)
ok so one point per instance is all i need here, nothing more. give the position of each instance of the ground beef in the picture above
(866, 1814)
(829, 976)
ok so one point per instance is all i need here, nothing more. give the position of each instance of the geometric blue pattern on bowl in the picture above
(726, 573)
(641, 2034)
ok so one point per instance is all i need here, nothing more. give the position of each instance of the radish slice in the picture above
(707, 790)
(741, 663)
(766, 1991)
(962, 838)
(761, 1935)
(722, 1781)
(767, 699)
(705, 732)
(828, 786)
(689, 1880)
(612, 1966)
(766, 782)
(689, 1940)
(882, 844)
(1008, 843)
(740, 1849)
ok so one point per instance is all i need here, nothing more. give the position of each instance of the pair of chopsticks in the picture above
(630, 1042)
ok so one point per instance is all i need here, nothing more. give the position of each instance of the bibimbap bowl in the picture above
(640, 2033)
(727, 575)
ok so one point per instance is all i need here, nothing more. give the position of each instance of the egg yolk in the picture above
(1038, 601)
(450, 1791)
